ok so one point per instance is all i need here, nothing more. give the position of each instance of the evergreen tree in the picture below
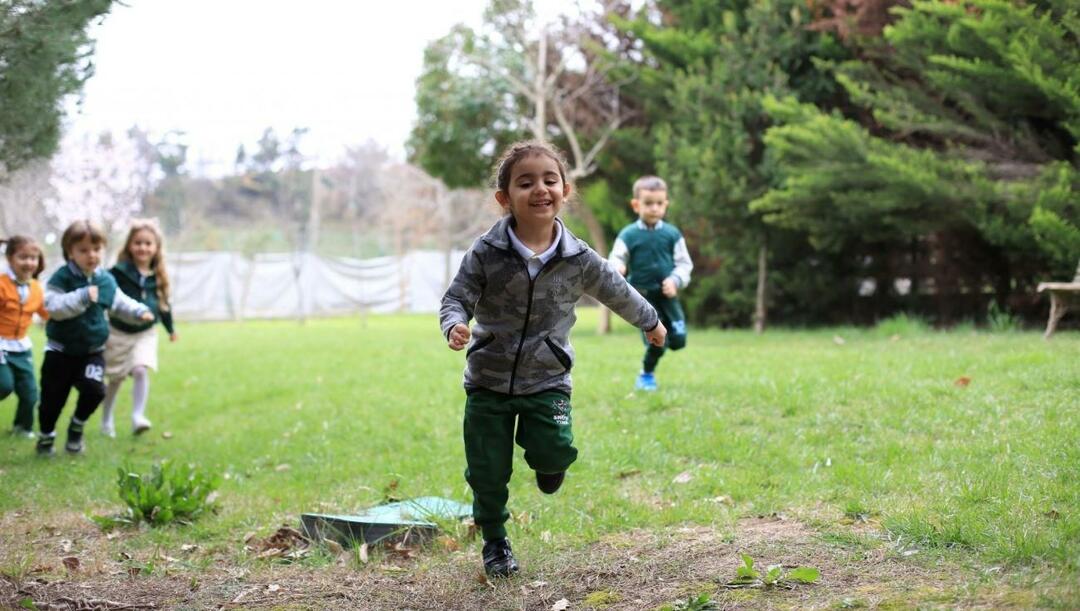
(969, 150)
(44, 57)
(709, 66)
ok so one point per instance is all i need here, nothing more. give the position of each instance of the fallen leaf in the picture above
(962, 381)
(188, 547)
(483, 580)
(683, 478)
(249, 536)
(894, 338)
(722, 500)
(273, 587)
(66, 546)
(546, 536)
(839, 341)
(1052, 514)
(561, 605)
(538, 584)
(449, 544)
(282, 467)
(166, 435)
(628, 473)
(71, 563)
(364, 553)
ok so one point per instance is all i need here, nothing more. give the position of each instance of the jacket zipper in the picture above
(524, 327)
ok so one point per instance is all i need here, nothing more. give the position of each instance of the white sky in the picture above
(224, 70)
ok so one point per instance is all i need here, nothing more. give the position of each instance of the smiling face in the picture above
(142, 246)
(651, 206)
(25, 261)
(87, 254)
(535, 193)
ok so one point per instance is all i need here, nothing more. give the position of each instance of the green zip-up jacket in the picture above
(142, 289)
(521, 339)
(77, 325)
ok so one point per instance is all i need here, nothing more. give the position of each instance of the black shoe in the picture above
(45, 446)
(499, 559)
(74, 443)
(549, 483)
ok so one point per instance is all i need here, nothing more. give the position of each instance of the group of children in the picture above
(100, 323)
(519, 284)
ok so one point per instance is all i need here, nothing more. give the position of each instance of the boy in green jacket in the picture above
(655, 255)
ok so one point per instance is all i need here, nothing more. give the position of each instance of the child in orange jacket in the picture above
(21, 296)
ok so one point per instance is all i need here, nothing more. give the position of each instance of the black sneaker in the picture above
(74, 443)
(45, 445)
(499, 559)
(549, 483)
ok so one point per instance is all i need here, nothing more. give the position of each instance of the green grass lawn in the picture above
(873, 428)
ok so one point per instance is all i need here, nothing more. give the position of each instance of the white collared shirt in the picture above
(535, 261)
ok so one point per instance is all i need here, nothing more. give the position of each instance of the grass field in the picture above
(861, 452)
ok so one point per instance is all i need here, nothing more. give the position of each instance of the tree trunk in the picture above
(759, 301)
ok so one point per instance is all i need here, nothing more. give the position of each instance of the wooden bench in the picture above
(1063, 297)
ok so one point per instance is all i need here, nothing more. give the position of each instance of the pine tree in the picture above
(969, 151)
(44, 57)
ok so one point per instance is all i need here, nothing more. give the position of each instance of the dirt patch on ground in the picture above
(631, 570)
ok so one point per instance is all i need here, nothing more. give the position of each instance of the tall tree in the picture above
(45, 56)
(709, 65)
(967, 153)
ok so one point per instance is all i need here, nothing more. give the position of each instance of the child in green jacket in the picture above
(655, 255)
(77, 297)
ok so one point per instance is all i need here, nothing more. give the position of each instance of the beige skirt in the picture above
(125, 351)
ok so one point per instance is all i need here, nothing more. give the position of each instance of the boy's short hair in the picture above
(649, 183)
(79, 231)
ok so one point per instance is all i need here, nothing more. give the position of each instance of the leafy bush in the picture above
(168, 493)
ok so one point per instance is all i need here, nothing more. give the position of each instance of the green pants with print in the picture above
(671, 314)
(543, 430)
(17, 374)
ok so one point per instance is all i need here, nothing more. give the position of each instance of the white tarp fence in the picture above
(229, 286)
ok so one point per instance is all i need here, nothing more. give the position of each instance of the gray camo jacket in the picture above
(521, 340)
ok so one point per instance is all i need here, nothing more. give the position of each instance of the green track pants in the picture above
(543, 429)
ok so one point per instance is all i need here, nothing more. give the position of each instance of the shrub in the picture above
(168, 493)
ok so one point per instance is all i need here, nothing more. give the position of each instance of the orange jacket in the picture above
(15, 317)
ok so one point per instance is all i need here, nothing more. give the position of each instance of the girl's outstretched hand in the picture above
(147, 316)
(92, 293)
(173, 337)
(657, 336)
(459, 336)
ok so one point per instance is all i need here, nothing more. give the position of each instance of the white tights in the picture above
(140, 392)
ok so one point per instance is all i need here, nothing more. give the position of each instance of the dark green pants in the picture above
(17, 375)
(671, 314)
(543, 430)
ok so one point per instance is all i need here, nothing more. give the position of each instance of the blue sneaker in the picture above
(646, 382)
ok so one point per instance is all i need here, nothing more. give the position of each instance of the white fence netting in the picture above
(231, 286)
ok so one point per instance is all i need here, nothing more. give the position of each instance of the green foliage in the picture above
(971, 146)
(746, 576)
(462, 122)
(44, 57)
(903, 325)
(170, 492)
(701, 602)
(712, 73)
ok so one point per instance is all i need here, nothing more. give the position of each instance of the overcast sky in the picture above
(224, 70)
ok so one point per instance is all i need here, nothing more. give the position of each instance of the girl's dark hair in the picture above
(79, 231)
(15, 242)
(521, 150)
(157, 263)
